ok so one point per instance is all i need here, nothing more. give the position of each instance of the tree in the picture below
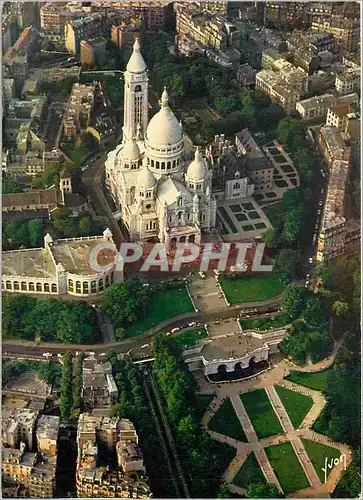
(187, 430)
(340, 308)
(287, 264)
(9, 186)
(85, 226)
(269, 238)
(293, 300)
(120, 333)
(223, 491)
(66, 397)
(261, 490)
(225, 105)
(316, 310)
(35, 231)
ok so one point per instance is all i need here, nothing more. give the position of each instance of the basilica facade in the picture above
(161, 196)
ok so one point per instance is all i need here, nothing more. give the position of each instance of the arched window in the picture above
(138, 88)
(39, 287)
(163, 165)
(168, 165)
(177, 161)
(23, 285)
(70, 285)
(78, 287)
(100, 284)
(85, 287)
(93, 287)
(46, 287)
(8, 285)
(54, 288)
(174, 163)
(152, 163)
(107, 281)
(157, 164)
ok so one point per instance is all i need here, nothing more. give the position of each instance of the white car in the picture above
(311, 260)
(47, 354)
(174, 330)
(144, 346)
(193, 323)
(202, 275)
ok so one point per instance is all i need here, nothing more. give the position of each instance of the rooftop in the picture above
(35, 263)
(48, 427)
(316, 101)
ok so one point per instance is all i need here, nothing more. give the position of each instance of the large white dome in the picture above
(136, 62)
(197, 170)
(145, 178)
(164, 129)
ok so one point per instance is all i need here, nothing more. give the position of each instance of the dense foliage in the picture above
(53, 320)
(78, 384)
(203, 459)
(126, 302)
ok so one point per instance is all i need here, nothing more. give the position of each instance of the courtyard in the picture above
(242, 219)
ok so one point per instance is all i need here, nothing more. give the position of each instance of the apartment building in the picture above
(268, 58)
(91, 51)
(99, 388)
(338, 115)
(331, 240)
(284, 14)
(346, 32)
(348, 80)
(53, 19)
(78, 114)
(17, 57)
(210, 30)
(47, 435)
(315, 107)
(18, 426)
(95, 25)
(271, 84)
(124, 35)
(94, 478)
(332, 145)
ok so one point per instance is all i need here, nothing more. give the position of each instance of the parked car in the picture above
(202, 275)
(47, 354)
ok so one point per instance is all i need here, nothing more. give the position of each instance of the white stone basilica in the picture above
(160, 196)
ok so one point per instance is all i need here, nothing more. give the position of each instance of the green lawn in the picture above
(189, 338)
(250, 472)
(251, 288)
(266, 323)
(317, 453)
(164, 305)
(317, 381)
(296, 405)
(261, 413)
(274, 212)
(225, 421)
(287, 467)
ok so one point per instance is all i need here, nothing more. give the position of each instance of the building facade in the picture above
(62, 267)
(159, 195)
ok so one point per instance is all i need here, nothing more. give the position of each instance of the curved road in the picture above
(27, 348)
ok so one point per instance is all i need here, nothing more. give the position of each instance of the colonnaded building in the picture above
(161, 197)
(61, 267)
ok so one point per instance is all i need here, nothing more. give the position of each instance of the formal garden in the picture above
(226, 422)
(287, 467)
(250, 472)
(296, 405)
(261, 413)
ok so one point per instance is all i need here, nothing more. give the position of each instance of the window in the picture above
(100, 284)
(39, 287)
(54, 288)
(46, 287)
(157, 165)
(148, 206)
(85, 287)
(152, 163)
(168, 165)
(93, 287)
(70, 285)
(8, 285)
(107, 280)
(78, 287)
(163, 165)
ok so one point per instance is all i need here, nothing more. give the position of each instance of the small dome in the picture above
(146, 178)
(164, 128)
(136, 62)
(197, 170)
(131, 150)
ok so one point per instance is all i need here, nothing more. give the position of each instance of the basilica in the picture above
(161, 196)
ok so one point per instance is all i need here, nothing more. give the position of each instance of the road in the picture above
(93, 178)
(21, 348)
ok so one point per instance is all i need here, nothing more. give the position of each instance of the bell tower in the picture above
(136, 96)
